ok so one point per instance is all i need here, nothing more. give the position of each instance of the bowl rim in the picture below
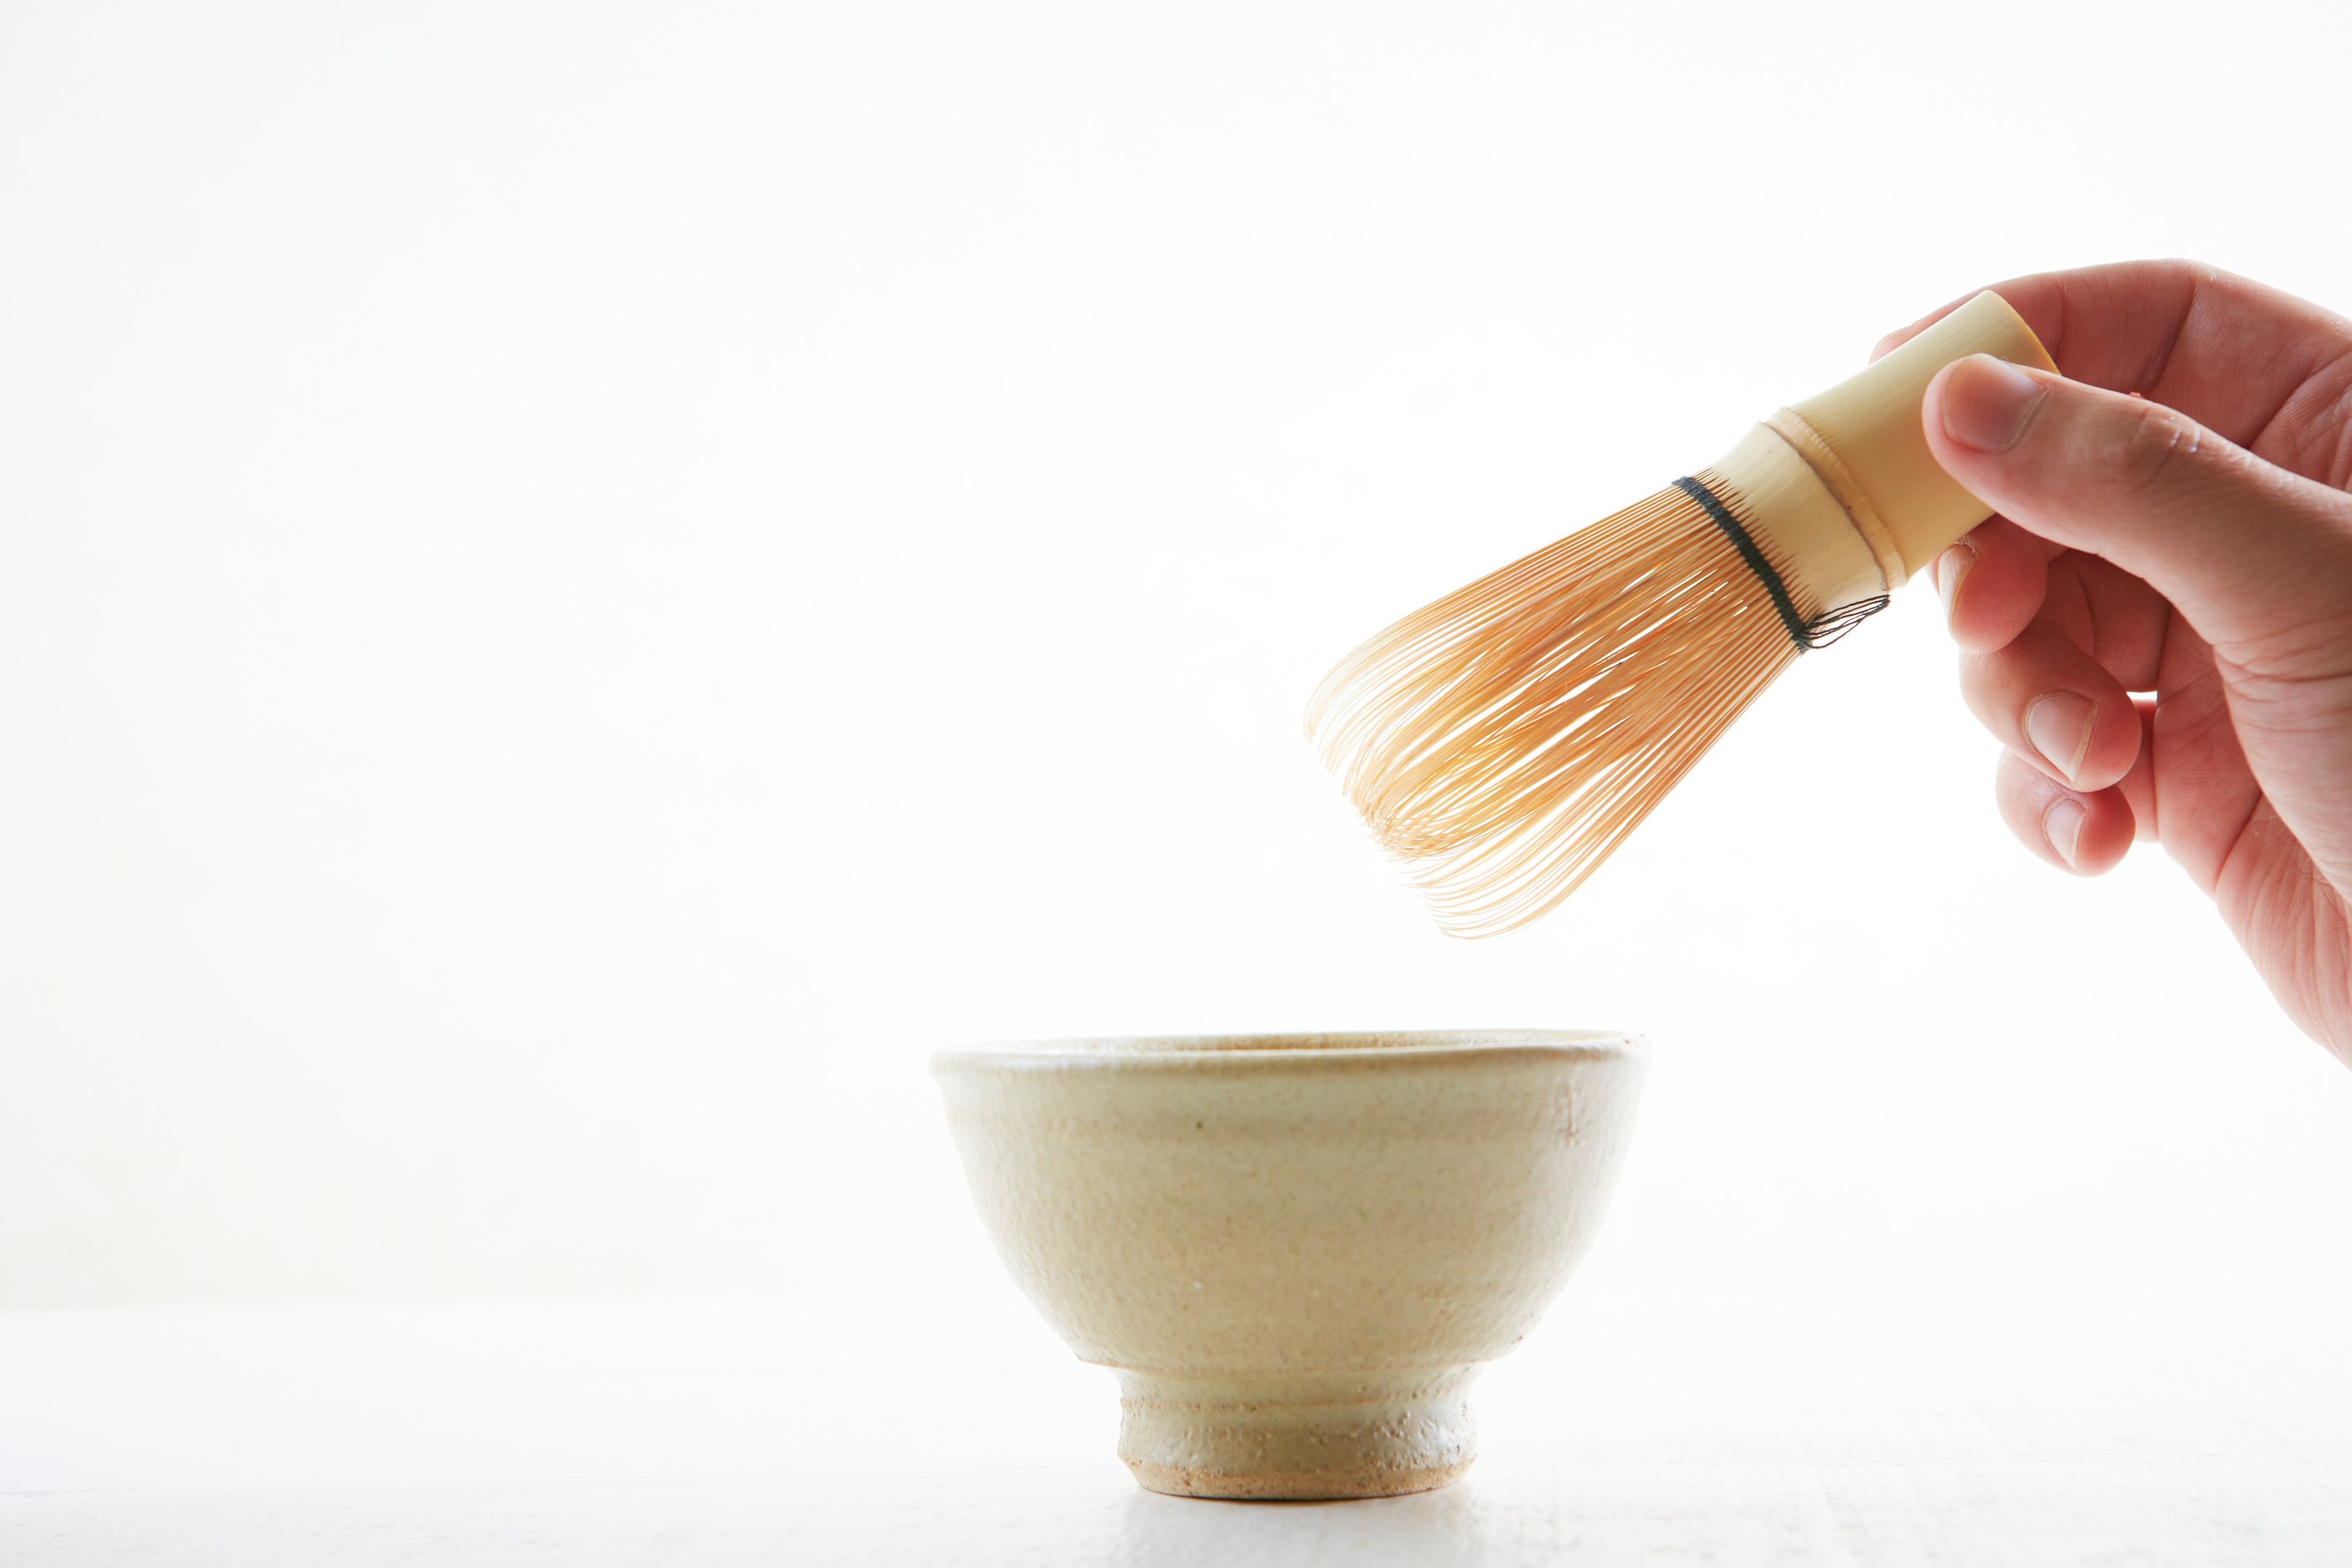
(1288, 1051)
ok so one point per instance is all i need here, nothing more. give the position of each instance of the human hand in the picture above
(2173, 523)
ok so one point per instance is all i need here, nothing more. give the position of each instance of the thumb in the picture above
(2259, 559)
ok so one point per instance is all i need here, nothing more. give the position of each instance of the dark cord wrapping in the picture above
(1822, 629)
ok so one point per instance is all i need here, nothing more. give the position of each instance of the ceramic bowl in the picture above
(1294, 1250)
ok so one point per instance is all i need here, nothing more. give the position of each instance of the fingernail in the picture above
(2059, 725)
(1950, 571)
(1989, 403)
(2063, 825)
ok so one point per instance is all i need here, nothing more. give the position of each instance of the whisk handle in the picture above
(1863, 438)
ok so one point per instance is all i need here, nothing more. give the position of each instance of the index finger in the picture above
(1992, 582)
(2229, 352)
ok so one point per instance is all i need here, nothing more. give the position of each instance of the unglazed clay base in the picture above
(1294, 1250)
(1268, 1436)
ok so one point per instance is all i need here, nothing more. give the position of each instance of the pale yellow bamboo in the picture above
(1504, 740)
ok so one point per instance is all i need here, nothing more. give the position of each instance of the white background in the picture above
(582, 587)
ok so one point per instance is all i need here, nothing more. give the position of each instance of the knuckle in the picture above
(2153, 449)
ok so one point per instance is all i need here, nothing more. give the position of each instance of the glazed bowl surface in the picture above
(1294, 1250)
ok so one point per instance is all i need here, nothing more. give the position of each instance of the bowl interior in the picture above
(1332, 1044)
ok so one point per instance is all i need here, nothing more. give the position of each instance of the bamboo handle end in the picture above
(1863, 437)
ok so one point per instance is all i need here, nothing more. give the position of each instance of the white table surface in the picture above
(954, 1430)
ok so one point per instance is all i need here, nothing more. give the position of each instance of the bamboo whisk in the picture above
(1502, 741)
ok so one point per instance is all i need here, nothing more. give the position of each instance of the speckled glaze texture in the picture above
(1294, 1250)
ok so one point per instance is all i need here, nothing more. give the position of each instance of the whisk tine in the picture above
(1502, 741)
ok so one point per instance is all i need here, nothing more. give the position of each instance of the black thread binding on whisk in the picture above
(1822, 629)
